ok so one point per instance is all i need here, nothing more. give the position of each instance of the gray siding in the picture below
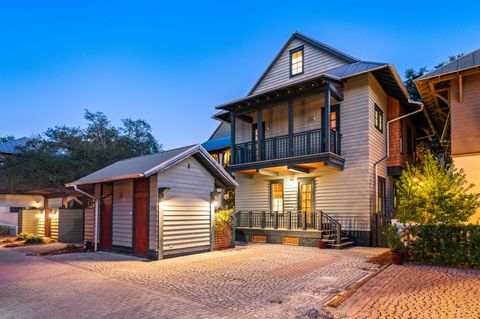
(315, 61)
(346, 194)
(89, 224)
(377, 142)
(186, 212)
(122, 213)
(70, 225)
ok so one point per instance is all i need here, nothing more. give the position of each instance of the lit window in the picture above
(226, 158)
(296, 61)
(333, 121)
(277, 196)
(378, 118)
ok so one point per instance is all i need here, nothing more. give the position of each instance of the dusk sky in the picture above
(172, 63)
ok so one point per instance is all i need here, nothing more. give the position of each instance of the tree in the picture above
(63, 154)
(7, 138)
(434, 192)
(411, 75)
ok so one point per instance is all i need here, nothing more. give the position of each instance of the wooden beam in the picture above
(336, 93)
(245, 118)
(298, 169)
(233, 151)
(326, 129)
(290, 128)
(266, 172)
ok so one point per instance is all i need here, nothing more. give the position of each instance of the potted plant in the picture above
(321, 244)
(396, 245)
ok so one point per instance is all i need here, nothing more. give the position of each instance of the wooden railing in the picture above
(290, 220)
(303, 143)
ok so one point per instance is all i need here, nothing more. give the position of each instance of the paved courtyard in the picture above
(416, 291)
(263, 281)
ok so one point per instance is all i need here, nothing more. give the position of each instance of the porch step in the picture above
(332, 240)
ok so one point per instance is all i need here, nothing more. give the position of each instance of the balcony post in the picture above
(326, 129)
(264, 219)
(233, 152)
(289, 218)
(260, 137)
(290, 128)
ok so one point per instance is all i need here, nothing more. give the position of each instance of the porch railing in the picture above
(303, 143)
(290, 220)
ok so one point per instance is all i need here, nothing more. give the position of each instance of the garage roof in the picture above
(147, 165)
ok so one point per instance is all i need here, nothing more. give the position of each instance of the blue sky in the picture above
(172, 62)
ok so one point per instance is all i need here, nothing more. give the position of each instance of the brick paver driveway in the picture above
(416, 291)
(264, 281)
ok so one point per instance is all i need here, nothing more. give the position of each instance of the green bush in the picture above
(30, 238)
(222, 219)
(393, 240)
(445, 244)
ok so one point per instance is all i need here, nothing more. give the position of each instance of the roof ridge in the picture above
(447, 64)
(159, 152)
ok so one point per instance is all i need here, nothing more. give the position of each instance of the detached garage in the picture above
(156, 205)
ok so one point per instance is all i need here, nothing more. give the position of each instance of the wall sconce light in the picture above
(215, 199)
(162, 192)
(39, 215)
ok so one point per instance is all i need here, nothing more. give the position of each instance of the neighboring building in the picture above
(309, 146)
(156, 205)
(451, 95)
(218, 145)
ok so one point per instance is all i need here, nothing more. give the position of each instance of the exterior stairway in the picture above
(317, 224)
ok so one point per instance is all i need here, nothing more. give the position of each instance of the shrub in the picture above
(30, 238)
(394, 240)
(434, 192)
(445, 244)
(222, 219)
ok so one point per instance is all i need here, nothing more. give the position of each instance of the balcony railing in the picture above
(290, 220)
(303, 143)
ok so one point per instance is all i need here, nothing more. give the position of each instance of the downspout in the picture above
(97, 203)
(375, 165)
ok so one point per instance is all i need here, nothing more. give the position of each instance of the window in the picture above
(226, 158)
(378, 118)
(276, 194)
(409, 141)
(382, 198)
(296, 61)
(333, 121)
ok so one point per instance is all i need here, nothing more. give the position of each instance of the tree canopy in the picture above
(63, 154)
(435, 192)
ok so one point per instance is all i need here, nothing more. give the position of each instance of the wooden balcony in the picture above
(300, 148)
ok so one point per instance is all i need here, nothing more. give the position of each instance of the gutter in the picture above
(97, 208)
(375, 165)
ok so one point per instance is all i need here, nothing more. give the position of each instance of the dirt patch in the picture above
(65, 250)
(382, 259)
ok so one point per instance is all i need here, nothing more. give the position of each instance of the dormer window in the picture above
(296, 61)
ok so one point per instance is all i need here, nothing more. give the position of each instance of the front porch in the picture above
(291, 227)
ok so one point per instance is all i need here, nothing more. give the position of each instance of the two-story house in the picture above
(451, 95)
(309, 146)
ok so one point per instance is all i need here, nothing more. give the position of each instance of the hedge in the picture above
(444, 244)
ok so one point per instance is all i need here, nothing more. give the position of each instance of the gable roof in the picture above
(11, 147)
(147, 165)
(464, 62)
(311, 41)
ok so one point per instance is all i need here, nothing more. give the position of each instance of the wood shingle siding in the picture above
(122, 213)
(315, 61)
(187, 219)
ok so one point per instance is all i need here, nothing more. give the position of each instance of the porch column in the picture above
(290, 128)
(260, 136)
(47, 221)
(326, 129)
(233, 152)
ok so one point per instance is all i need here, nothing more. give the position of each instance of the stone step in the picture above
(342, 245)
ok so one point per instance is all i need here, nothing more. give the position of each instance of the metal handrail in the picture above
(290, 220)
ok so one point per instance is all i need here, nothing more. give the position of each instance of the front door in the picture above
(306, 200)
(106, 216)
(140, 211)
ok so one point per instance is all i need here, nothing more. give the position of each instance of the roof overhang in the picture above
(313, 84)
(197, 150)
